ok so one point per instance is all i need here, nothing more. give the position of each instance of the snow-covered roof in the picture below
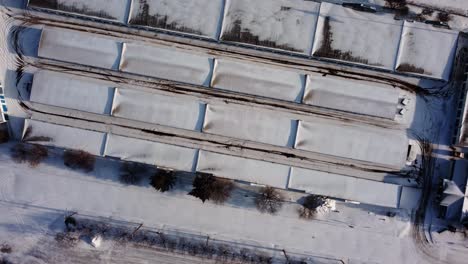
(166, 63)
(200, 17)
(38, 132)
(371, 144)
(281, 24)
(250, 170)
(149, 152)
(340, 186)
(359, 37)
(257, 79)
(71, 91)
(362, 97)
(249, 124)
(78, 47)
(427, 50)
(158, 109)
(105, 9)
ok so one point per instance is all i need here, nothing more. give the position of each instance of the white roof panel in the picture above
(257, 79)
(427, 50)
(361, 97)
(78, 47)
(166, 63)
(250, 170)
(281, 24)
(200, 17)
(71, 91)
(344, 187)
(158, 109)
(62, 136)
(105, 9)
(370, 144)
(249, 124)
(360, 37)
(149, 152)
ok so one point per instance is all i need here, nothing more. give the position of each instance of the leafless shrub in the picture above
(132, 173)
(427, 12)
(208, 187)
(67, 239)
(19, 153)
(5, 248)
(163, 180)
(395, 4)
(79, 159)
(269, 200)
(37, 154)
(443, 17)
(310, 205)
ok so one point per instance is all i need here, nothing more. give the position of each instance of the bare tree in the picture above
(19, 153)
(395, 4)
(208, 187)
(443, 17)
(163, 180)
(79, 159)
(310, 205)
(221, 190)
(269, 200)
(132, 173)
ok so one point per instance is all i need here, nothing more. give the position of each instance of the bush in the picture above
(208, 187)
(163, 180)
(269, 200)
(132, 173)
(310, 205)
(33, 154)
(443, 17)
(395, 4)
(79, 159)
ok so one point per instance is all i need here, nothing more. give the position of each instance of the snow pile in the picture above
(427, 50)
(282, 24)
(78, 47)
(107, 9)
(166, 63)
(359, 37)
(71, 91)
(201, 17)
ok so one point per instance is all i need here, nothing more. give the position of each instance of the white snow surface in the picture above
(78, 47)
(378, 145)
(114, 8)
(367, 36)
(361, 97)
(71, 91)
(428, 48)
(65, 137)
(157, 108)
(249, 124)
(257, 79)
(149, 152)
(344, 187)
(201, 16)
(249, 170)
(289, 23)
(166, 63)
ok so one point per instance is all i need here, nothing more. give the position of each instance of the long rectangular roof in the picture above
(362, 97)
(38, 132)
(166, 63)
(250, 170)
(71, 91)
(199, 17)
(281, 24)
(249, 124)
(78, 47)
(158, 109)
(150, 152)
(376, 145)
(257, 79)
(105, 9)
(340, 186)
